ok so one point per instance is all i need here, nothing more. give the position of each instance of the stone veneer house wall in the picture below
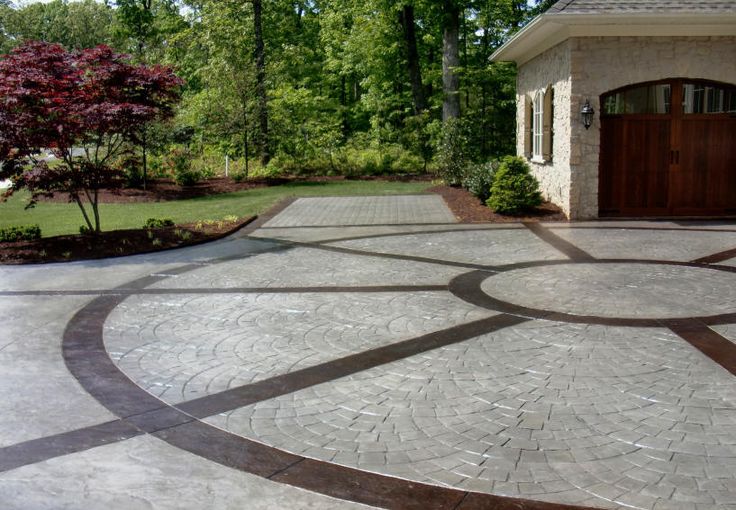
(584, 49)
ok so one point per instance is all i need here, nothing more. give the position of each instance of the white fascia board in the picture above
(548, 30)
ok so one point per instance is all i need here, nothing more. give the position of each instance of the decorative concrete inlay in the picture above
(309, 267)
(379, 210)
(623, 290)
(517, 412)
(665, 242)
(145, 473)
(726, 330)
(184, 347)
(489, 247)
(432, 399)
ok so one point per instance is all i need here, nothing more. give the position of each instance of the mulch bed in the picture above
(466, 207)
(115, 243)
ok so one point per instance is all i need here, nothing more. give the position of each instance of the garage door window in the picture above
(647, 99)
(703, 98)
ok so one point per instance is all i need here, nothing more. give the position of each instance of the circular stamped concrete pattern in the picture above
(618, 290)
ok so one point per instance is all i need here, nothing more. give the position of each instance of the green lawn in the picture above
(56, 219)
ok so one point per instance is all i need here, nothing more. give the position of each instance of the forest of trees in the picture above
(311, 85)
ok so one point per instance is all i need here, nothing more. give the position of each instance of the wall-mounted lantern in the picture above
(587, 112)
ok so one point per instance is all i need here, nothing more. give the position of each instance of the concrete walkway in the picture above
(380, 355)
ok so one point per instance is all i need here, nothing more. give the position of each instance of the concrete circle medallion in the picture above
(622, 290)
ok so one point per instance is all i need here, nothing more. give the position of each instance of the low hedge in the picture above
(20, 233)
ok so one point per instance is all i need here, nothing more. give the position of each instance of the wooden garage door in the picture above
(668, 149)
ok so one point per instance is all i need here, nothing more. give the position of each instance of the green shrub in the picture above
(179, 161)
(158, 223)
(452, 153)
(20, 233)
(479, 177)
(514, 188)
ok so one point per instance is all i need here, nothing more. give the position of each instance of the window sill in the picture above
(539, 160)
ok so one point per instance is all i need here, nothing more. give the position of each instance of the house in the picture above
(660, 78)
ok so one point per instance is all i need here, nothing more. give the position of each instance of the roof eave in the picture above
(548, 30)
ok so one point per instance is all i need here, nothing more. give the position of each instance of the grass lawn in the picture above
(57, 219)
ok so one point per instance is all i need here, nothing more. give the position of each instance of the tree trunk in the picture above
(246, 148)
(406, 17)
(144, 146)
(262, 103)
(450, 61)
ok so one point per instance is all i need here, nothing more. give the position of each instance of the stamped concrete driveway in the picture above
(373, 351)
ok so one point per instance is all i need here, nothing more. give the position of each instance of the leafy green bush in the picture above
(20, 233)
(514, 188)
(479, 177)
(350, 161)
(159, 223)
(452, 153)
(179, 161)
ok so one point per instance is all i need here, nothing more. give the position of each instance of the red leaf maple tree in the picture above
(82, 107)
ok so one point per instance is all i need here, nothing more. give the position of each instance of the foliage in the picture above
(478, 178)
(453, 152)
(83, 107)
(179, 162)
(351, 161)
(344, 80)
(514, 188)
(75, 25)
(152, 223)
(20, 233)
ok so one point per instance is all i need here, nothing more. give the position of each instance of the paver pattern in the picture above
(382, 355)
(618, 289)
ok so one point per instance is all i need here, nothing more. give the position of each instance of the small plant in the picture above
(67, 254)
(43, 254)
(158, 223)
(514, 188)
(184, 235)
(156, 242)
(230, 218)
(239, 177)
(20, 233)
(479, 177)
(84, 230)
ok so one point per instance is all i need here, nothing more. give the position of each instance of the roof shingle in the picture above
(641, 6)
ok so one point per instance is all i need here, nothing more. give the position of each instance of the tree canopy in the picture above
(82, 106)
(309, 83)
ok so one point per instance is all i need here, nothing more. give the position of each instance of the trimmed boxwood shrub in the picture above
(20, 233)
(514, 188)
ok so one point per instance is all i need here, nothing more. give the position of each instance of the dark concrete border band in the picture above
(86, 358)
(140, 412)
(560, 244)
(467, 287)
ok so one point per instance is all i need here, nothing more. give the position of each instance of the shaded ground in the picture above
(466, 207)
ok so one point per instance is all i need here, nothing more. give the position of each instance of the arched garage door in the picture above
(668, 149)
